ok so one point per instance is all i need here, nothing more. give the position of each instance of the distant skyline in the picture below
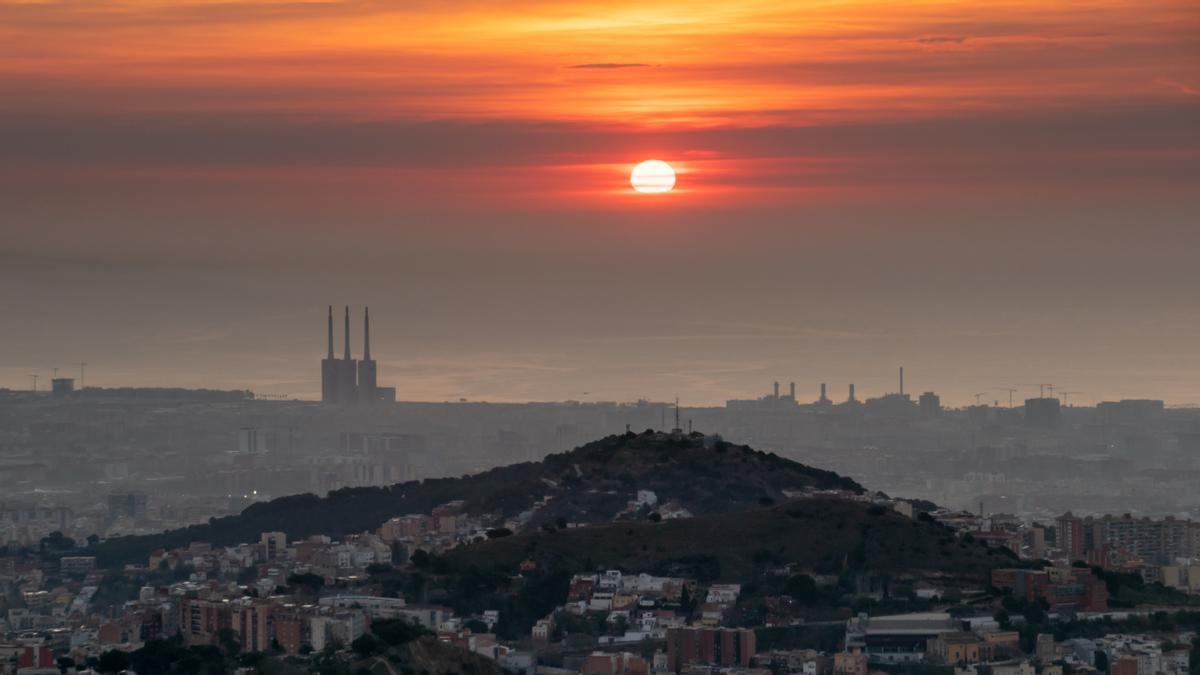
(988, 193)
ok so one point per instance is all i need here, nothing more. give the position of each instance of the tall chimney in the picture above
(776, 390)
(330, 357)
(901, 380)
(851, 391)
(366, 333)
(792, 389)
(347, 342)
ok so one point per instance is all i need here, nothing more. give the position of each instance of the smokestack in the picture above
(823, 399)
(347, 342)
(901, 380)
(776, 390)
(330, 357)
(366, 333)
(792, 389)
(851, 391)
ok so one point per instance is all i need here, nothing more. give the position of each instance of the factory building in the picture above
(350, 381)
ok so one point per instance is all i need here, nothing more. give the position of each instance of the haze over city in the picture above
(584, 337)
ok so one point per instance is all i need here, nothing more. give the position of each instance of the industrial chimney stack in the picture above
(367, 373)
(329, 369)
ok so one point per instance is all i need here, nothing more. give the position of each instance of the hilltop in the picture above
(590, 484)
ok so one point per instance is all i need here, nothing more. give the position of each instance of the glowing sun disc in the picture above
(652, 176)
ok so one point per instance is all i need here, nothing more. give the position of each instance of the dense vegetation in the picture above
(769, 550)
(825, 535)
(590, 484)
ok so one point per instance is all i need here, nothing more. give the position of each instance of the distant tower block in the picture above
(776, 390)
(851, 392)
(792, 390)
(901, 380)
(824, 398)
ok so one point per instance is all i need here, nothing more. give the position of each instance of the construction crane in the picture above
(1010, 391)
(1042, 386)
(1065, 394)
(82, 365)
(34, 377)
(977, 397)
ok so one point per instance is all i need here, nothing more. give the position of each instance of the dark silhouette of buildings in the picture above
(350, 381)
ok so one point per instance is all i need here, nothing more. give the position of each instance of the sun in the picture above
(652, 176)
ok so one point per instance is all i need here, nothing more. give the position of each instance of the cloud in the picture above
(942, 39)
(609, 66)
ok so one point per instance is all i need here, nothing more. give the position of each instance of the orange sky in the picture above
(260, 138)
(619, 67)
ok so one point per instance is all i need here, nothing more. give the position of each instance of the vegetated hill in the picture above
(590, 484)
(825, 535)
(428, 655)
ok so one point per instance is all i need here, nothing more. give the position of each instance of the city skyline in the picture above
(335, 388)
(599, 337)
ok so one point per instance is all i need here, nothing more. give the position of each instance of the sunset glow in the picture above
(466, 165)
(576, 77)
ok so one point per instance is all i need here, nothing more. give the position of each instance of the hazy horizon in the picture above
(989, 194)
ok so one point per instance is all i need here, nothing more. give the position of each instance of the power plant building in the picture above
(350, 381)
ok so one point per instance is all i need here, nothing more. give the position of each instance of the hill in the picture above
(770, 551)
(590, 484)
(823, 535)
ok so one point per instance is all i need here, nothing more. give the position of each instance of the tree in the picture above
(1001, 616)
(802, 587)
(312, 583)
(618, 626)
(228, 642)
(366, 645)
(686, 604)
(55, 541)
(421, 559)
(399, 631)
(113, 661)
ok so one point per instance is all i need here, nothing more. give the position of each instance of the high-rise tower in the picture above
(366, 367)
